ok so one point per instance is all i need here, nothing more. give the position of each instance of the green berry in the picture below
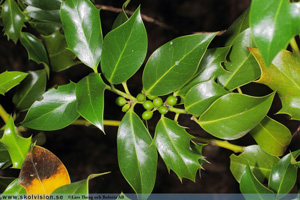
(163, 110)
(148, 105)
(171, 100)
(157, 102)
(26, 19)
(120, 101)
(140, 97)
(151, 97)
(147, 115)
(125, 108)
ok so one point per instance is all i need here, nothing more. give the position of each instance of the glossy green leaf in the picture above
(79, 187)
(283, 76)
(136, 156)
(242, 66)
(13, 19)
(45, 28)
(14, 189)
(16, 145)
(4, 182)
(43, 15)
(60, 56)
(272, 136)
(284, 175)
(172, 65)
(5, 160)
(201, 96)
(90, 98)
(121, 19)
(124, 50)
(55, 111)
(273, 24)
(10, 80)
(238, 26)
(210, 66)
(82, 28)
(32, 88)
(35, 49)
(233, 115)
(122, 196)
(174, 146)
(250, 185)
(260, 163)
(44, 4)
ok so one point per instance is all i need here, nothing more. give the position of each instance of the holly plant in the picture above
(225, 90)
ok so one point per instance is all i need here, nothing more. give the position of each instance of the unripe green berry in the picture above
(157, 102)
(125, 108)
(147, 115)
(140, 97)
(120, 101)
(163, 110)
(26, 19)
(148, 105)
(171, 100)
(151, 97)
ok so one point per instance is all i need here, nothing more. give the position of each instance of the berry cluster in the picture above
(152, 104)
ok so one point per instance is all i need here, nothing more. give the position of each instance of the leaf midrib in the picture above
(166, 130)
(231, 116)
(171, 68)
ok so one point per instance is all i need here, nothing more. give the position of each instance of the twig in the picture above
(220, 143)
(144, 17)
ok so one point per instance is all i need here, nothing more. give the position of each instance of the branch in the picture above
(3, 114)
(144, 17)
(220, 143)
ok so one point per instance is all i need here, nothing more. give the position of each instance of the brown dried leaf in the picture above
(42, 172)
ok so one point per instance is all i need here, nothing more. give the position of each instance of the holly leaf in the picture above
(10, 80)
(272, 136)
(260, 163)
(42, 15)
(45, 28)
(42, 172)
(174, 146)
(282, 76)
(13, 189)
(238, 26)
(35, 49)
(210, 66)
(273, 24)
(32, 89)
(82, 28)
(172, 65)
(5, 160)
(13, 20)
(233, 115)
(60, 56)
(90, 98)
(79, 187)
(121, 19)
(124, 49)
(198, 99)
(136, 156)
(242, 66)
(284, 175)
(4, 183)
(55, 111)
(16, 145)
(250, 185)
(44, 4)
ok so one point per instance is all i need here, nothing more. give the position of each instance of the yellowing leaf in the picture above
(282, 76)
(42, 172)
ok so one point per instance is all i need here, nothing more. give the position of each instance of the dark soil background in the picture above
(86, 150)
